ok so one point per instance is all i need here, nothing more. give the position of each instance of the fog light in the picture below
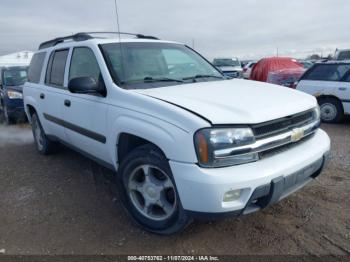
(232, 195)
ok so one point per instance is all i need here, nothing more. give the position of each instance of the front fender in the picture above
(176, 143)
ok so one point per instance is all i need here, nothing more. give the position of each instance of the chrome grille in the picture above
(283, 148)
(282, 125)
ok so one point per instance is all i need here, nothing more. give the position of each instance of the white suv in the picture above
(184, 141)
(330, 83)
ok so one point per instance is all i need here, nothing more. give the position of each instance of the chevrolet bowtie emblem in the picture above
(297, 134)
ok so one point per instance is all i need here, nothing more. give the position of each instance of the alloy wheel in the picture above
(328, 112)
(152, 192)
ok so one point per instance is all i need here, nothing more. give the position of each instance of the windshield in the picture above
(15, 77)
(149, 65)
(226, 62)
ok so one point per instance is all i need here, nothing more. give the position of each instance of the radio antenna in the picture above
(117, 18)
(120, 43)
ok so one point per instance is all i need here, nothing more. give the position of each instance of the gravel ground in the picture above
(60, 204)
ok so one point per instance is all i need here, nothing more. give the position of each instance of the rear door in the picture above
(86, 114)
(54, 94)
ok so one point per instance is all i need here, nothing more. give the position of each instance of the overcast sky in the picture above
(244, 28)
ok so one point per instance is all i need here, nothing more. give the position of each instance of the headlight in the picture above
(317, 113)
(210, 141)
(14, 95)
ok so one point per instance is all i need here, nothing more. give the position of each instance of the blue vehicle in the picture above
(11, 85)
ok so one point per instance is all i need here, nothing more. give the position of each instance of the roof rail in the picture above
(83, 36)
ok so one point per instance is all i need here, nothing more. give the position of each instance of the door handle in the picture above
(67, 103)
(342, 88)
(42, 96)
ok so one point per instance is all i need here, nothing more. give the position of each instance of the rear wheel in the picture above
(149, 192)
(43, 144)
(331, 110)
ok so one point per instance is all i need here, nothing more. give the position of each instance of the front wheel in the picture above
(149, 192)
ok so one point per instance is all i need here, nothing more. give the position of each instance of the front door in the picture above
(85, 115)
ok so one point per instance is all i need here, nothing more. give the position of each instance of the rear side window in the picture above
(56, 67)
(35, 67)
(327, 72)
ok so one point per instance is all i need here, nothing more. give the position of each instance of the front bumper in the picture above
(264, 182)
(15, 108)
(17, 113)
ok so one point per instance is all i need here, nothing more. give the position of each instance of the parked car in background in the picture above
(247, 69)
(12, 80)
(330, 83)
(230, 67)
(184, 144)
(342, 54)
(277, 70)
(305, 63)
(285, 77)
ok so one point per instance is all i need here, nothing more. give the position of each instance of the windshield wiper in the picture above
(202, 76)
(161, 79)
(149, 79)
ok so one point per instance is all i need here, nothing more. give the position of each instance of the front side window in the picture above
(328, 72)
(147, 65)
(84, 64)
(56, 67)
(15, 76)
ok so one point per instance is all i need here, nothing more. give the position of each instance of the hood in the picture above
(231, 68)
(234, 101)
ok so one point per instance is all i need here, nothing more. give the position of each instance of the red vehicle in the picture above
(283, 71)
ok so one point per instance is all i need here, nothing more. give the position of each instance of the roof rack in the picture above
(83, 36)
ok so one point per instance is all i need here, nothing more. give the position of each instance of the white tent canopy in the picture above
(16, 59)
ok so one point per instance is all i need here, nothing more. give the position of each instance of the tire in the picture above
(44, 145)
(164, 214)
(331, 110)
(8, 119)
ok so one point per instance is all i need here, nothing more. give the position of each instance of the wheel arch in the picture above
(30, 107)
(131, 132)
(325, 96)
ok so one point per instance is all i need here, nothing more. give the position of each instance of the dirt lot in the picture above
(58, 205)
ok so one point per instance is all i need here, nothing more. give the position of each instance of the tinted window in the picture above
(36, 65)
(347, 77)
(343, 55)
(55, 70)
(84, 64)
(328, 72)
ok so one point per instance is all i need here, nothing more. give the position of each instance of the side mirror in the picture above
(84, 85)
